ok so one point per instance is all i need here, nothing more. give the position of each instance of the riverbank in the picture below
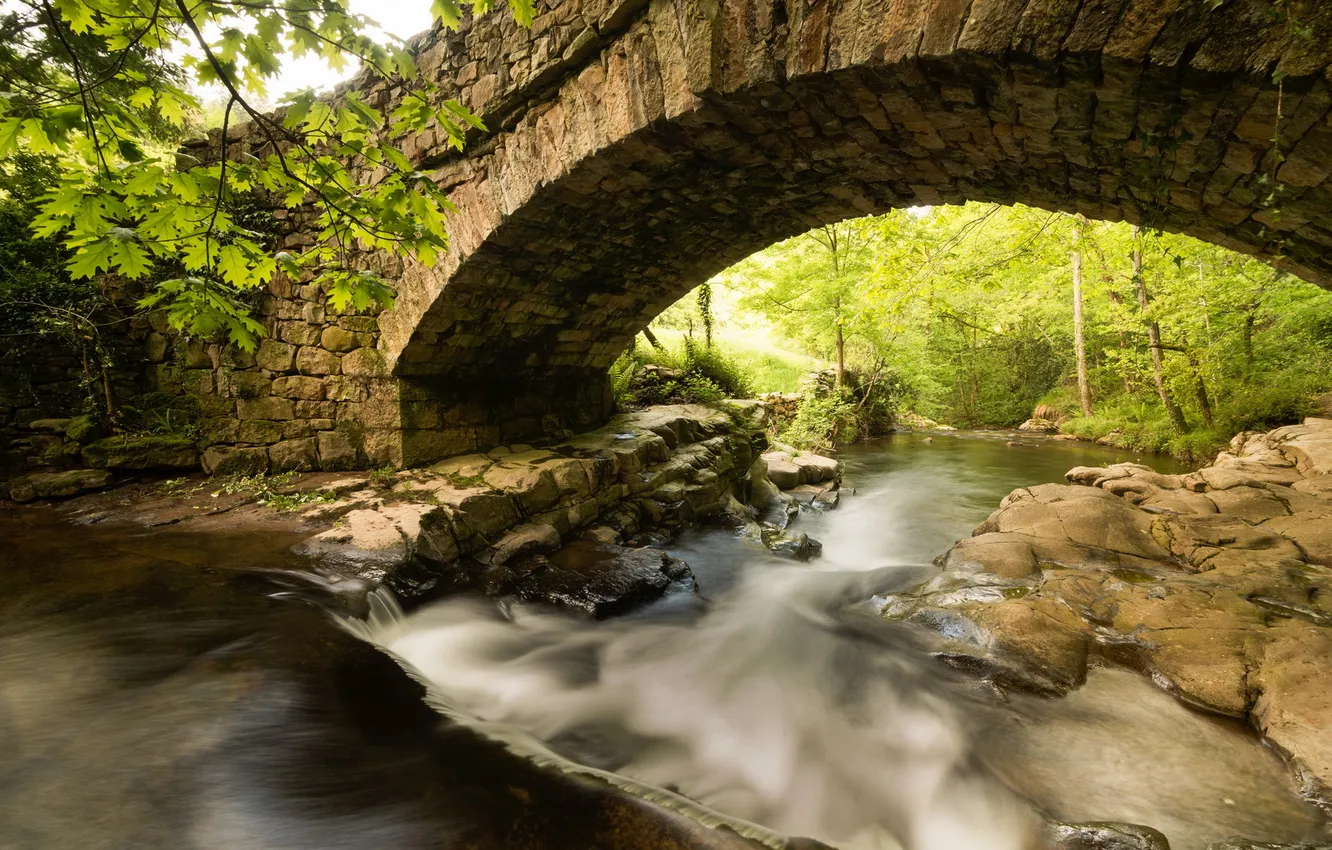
(1217, 584)
(565, 524)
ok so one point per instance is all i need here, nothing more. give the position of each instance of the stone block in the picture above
(342, 388)
(146, 452)
(225, 460)
(338, 339)
(275, 356)
(244, 384)
(260, 431)
(59, 485)
(300, 454)
(336, 450)
(316, 361)
(155, 347)
(219, 429)
(299, 386)
(365, 362)
(315, 409)
(270, 407)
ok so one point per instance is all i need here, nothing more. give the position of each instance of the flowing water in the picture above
(156, 692)
(775, 695)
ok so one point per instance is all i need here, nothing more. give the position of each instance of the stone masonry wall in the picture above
(636, 147)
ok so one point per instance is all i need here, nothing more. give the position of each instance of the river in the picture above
(156, 692)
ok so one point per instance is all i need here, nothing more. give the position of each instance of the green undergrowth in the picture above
(1144, 426)
(686, 375)
(268, 490)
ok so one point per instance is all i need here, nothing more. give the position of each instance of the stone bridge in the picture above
(637, 147)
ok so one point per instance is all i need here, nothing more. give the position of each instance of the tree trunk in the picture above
(1154, 339)
(1200, 391)
(1079, 339)
(841, 355)
(1248, 341)
(652, 338)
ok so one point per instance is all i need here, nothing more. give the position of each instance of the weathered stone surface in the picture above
(142, 452)
(1104, 836)
(337, 339)
(595, 579)
(275, 356)
(271, 408)
(370, 543)
(50, 426)
(59, 485)
(224, 460)
(501, 512)
(316, 361)
(336, 450)
(295, 386)
(365, 363)
(294, 455)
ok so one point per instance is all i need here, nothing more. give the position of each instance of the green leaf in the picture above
(10, 130)
(92, 258)
(233, 265)
(143, 97)
(446, 12)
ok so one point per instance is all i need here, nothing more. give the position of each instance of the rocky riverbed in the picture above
(1217, 584)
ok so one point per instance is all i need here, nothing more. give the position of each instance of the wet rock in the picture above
(782, 470)
(1244, 844)
(371, 543)
(593, 578)
(1037, 425)
(144, 452)
(1104, 836)
(1215, 583)
(59, 485)
(798, 546)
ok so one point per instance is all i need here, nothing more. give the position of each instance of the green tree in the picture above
(104, 86)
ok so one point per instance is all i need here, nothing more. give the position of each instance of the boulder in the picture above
(1037, 425)
(1104, 836)
(782, 470)
(59, 485)
(595, 579)
(84, 429)
(370, 542)
(49, 426)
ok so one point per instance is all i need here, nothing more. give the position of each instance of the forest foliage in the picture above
(107, 89)
(969, 312)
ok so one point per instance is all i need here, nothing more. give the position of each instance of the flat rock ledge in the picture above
(497, 521)
(1217, 584)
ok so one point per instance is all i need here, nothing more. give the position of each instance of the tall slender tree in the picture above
(1154, 337)
(1079, 325)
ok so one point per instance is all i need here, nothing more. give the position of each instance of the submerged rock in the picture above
(1104, 836)
(596, 579)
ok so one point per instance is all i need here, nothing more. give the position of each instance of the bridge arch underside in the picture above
(519, 337)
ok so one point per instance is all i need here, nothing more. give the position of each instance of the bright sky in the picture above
(402, 18)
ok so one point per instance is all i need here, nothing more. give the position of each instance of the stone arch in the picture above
(669, 139)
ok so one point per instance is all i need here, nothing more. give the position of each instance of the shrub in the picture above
(823, 421)
(642, 377)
